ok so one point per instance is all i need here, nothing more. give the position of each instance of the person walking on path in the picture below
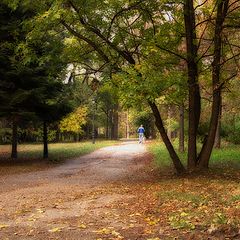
(141, 131)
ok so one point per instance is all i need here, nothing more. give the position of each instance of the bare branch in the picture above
(134, 6)
(200, 4)
(233, 57)
(230, 46)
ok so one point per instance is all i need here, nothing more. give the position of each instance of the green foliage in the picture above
(5, 135)
(31, 72)
(146, 119)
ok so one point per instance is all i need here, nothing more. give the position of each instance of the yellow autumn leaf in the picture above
(3, 226)
(115, 233)
(152, 49)
(183, 214)
(131, 225)
(103, 231)
(82, 226)
(39, 210)
(57, 229)
(148, 231)
(152, 221)
(137, 66)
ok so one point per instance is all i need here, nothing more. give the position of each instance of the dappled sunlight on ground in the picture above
(127, 147)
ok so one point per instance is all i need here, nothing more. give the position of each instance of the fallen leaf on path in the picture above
(103, 231)
(156, 238)
(82, 226)
(3, 226)
(57, 229)
(39, 210)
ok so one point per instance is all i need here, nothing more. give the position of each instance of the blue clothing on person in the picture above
(141, 130)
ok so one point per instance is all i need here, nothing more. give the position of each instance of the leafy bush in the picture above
(5, 135)
(231, 131)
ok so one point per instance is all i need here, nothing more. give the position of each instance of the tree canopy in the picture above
(150, 51)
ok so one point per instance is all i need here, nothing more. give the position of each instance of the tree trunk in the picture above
(217, 143)
(181, 129)
(127, 124)
(93, 127)
(107, 125)
(193, 86)
(57, 138)
(216, 85)
(111, 132)
(169, 115)
(45, 140)
(159, 123)
(14, 138)
(115, 122)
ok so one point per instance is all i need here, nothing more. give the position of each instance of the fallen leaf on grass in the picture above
(152, 221)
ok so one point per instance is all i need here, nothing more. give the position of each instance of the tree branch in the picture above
(90, 42)
(171, 52)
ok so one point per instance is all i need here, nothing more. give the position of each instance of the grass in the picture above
(30, 155)
(208, 202)
(57, 151)
(226, 157)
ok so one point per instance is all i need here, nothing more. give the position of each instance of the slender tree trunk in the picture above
(107, 125)
(127, 124)
(14, 138)
(217, 143)
(111, 124)
(159, 123)
(169, 115)
(193, 86)
(57, 135)
(45, 140)
(115, 122)
(216, 85)
(181, 128)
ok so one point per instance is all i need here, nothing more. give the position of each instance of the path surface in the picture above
(85, 198)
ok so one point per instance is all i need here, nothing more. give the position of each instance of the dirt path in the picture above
(86, 198)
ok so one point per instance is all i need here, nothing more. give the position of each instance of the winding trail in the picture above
(80, 199)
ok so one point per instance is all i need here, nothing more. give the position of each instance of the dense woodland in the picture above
(76, 69)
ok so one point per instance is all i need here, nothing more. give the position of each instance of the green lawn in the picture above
(226, 157)
(57, 151)
(208, 202)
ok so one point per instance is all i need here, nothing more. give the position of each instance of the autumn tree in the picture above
(133, 33)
